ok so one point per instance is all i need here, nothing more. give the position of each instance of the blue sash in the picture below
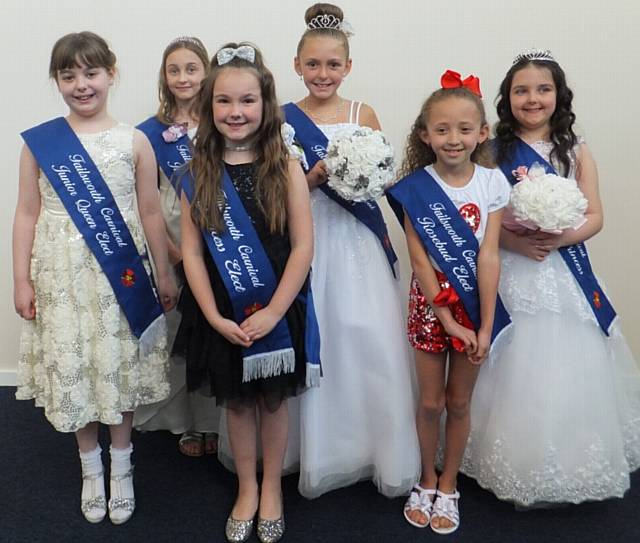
(314, 143)
(447, 238)
(170, 156)
(92, 208)
(250, 281)
(574, 256)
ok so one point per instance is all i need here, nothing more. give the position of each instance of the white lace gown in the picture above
(556, 416)
(78, 358)
(360, 423)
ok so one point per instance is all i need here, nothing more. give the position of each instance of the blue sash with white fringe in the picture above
(93, 209)
(250, 281)
(447, 238)
(574, 256)
(314, 143)
(170, 156)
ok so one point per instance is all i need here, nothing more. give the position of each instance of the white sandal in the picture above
(420, 499)
(94, 508)
(446, 506)
(121, 506)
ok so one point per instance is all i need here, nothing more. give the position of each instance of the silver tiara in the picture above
(534, 54)
(183, 39)
(330, 21)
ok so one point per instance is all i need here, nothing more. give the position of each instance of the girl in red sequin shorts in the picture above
(424, 329)
(448, 140)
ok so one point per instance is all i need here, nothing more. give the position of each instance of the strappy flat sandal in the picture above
(94, 509)
(188, 438)
(446, 506)
(120, 507)
(420, 499)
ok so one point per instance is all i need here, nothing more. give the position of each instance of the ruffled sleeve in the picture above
(499, 190)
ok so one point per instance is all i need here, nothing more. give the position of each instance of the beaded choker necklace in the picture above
(238, 148)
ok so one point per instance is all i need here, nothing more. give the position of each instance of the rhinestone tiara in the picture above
(324, 21)
(183, 39)
(534, 54)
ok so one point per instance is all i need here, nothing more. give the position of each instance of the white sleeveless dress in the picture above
(555, 417)
(360, 423)
(78, 357)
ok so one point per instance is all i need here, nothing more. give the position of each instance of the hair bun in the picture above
(323, 10)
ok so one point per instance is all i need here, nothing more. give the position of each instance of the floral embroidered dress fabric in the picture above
(78, 358)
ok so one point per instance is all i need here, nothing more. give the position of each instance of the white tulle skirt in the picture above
(360, 423)
(556, 415)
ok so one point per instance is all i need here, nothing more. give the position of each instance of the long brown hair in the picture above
(561, 123)
(418, 154)
(167, 100)
(271, 155)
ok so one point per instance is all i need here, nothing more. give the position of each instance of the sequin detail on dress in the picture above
(78, 358)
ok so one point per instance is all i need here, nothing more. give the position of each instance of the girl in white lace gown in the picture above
(78, 356)
(359, 424)
(556, 415)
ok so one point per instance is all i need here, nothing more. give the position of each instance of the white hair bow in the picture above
(227, 54)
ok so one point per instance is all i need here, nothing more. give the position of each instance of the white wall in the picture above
(399, 51)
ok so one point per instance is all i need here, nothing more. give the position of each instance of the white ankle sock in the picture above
(92, 485)
(120, 460)
(121, 486)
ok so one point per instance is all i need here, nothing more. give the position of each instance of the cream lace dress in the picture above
(78, 358)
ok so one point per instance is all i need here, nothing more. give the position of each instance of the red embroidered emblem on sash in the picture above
(250, 310)
(128, 277)
(596, 299)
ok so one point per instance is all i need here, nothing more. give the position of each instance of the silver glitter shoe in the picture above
(270, 531)
(117, 503)
(238, 531)
(94, 509)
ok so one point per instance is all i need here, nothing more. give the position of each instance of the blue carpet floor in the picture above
(188, 499)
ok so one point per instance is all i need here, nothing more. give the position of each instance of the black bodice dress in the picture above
(214, 365)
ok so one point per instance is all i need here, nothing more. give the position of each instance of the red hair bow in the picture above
(452, 80)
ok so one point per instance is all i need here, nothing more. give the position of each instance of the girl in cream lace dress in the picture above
(78, 356)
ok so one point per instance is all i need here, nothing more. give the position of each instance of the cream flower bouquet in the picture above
(546, 201)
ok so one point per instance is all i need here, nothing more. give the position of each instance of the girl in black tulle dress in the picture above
(258, 216)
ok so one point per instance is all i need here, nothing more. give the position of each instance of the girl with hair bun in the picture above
(359, 424)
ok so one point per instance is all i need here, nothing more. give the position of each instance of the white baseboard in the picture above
(7, 378)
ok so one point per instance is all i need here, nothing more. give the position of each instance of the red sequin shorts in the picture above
(424, 329)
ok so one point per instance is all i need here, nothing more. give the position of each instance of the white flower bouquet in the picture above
(547, 202)
(360, 164)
